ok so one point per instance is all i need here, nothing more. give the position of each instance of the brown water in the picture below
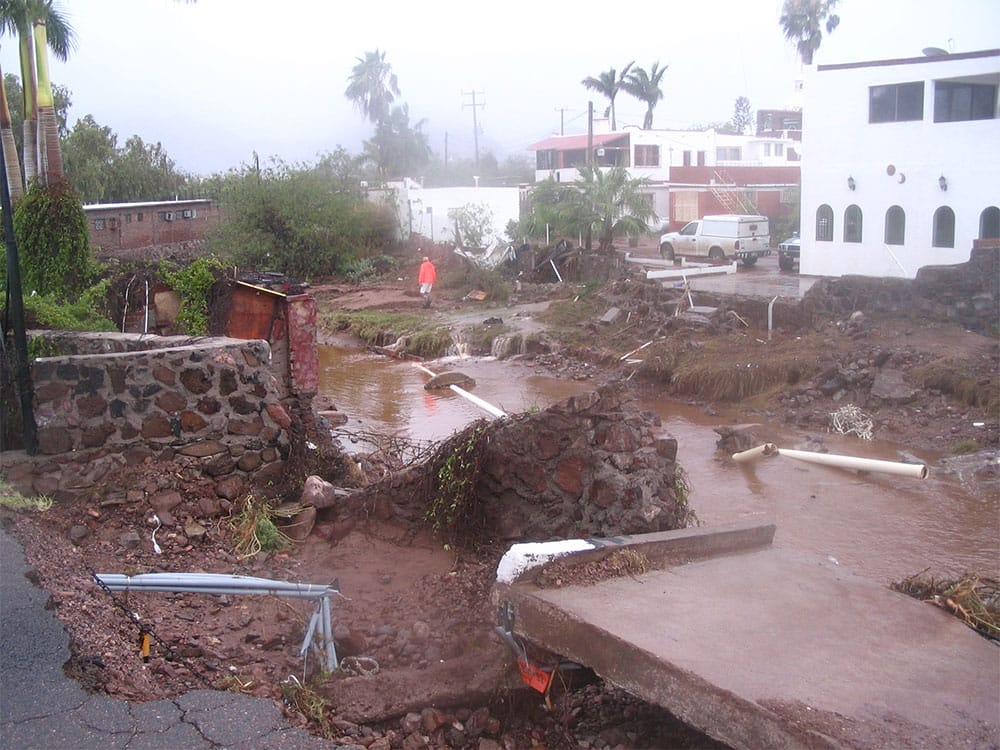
(882, 526)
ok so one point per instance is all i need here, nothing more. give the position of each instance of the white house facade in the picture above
(901, 163)
(689, 172)
(430, 212)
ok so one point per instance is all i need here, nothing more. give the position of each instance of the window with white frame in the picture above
(728, 153)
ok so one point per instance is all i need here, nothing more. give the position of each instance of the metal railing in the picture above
(319, 633)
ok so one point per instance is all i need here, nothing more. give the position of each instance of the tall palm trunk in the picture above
(11, 161)
(48, 125)
(29, 86)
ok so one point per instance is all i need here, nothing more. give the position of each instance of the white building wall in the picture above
(839, 142)
(673, 144)
(428, 211)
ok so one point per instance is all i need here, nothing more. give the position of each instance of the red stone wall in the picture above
(213, 401)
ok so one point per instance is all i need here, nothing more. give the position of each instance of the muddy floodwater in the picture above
(881, 526)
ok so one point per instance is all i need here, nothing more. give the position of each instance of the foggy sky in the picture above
(216, 80)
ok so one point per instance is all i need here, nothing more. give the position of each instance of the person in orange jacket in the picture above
(426, 279)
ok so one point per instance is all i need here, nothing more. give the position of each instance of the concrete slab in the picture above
(759, 646)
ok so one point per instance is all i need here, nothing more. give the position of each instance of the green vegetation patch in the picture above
(377, 328)
(12, 499)
(255, 530)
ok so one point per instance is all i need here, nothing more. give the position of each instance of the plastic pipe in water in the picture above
(917, 471)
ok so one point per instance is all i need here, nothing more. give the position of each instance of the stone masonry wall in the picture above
(593, 465)
(211, 403)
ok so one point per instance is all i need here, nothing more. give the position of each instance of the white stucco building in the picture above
(689, 173)
(430, 212)
(901, 163)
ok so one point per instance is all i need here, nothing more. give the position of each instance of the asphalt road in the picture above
(40, 707)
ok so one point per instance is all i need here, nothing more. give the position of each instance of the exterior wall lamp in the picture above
(851, 184)
(942, 183)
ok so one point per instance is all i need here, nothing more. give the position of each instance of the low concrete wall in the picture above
(120, 401)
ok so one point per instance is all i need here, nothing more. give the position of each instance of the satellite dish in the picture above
(934, 51)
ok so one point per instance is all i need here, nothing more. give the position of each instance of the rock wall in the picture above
(210, 402)
(966, 294)
(592, 465)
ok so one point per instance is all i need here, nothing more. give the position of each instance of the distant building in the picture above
(900, 167)
(779, 123)
(117, 228)
(690, 173)
(430, 212)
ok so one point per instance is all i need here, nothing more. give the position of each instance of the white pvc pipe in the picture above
(917, 471)
(678, 273)
(767, 449)
(466, 395)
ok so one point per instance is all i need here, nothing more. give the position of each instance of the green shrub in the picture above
(85, 314)
(53, 242)
(193, 283)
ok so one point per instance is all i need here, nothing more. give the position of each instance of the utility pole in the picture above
(22, 370)
(590, 134)
(475, 120)
(562, 119)
(590, 163)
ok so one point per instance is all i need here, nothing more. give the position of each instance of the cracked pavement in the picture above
(41, 707)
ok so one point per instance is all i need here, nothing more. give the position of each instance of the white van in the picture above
(739, 236)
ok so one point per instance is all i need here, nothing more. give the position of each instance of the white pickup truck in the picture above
(742, 237)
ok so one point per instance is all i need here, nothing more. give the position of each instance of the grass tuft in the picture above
(953, 379)
(12, 499)
(973, 599)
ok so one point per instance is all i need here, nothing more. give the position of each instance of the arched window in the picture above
(944, 227)
(852, 224)
(895, 226)
(989, 223)
(824, 223)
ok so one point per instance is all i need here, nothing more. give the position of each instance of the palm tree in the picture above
(610, 201)
(801, 21)
(372, 86)
(39, 26)
(646, 88)
(50, 150)
(11, 161)
(608, 84)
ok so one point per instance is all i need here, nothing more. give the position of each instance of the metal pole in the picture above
(15, 304)
(331, 649)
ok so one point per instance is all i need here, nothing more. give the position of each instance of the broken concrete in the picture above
(759, 646)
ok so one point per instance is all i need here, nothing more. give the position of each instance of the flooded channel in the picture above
(880, 526)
